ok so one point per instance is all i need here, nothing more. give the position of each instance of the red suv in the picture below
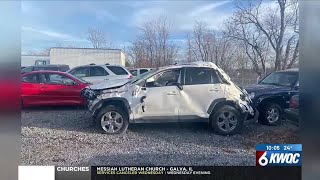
(51, 88)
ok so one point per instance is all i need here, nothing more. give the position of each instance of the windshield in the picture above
(141, 76)
(281, 79)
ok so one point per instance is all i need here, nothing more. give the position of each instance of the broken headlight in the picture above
(251, 95)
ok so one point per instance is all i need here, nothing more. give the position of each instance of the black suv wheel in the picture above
(112, 120)
(226, 120)
(270, 114)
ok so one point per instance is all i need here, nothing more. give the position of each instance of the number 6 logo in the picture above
(263, 160)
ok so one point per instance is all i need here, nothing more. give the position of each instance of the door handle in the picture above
(44, 87)
(172, 93)
(213, 90)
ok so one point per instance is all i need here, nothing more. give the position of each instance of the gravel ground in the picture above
(67, 136)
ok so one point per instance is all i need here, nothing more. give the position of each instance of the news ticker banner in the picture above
(268, 159)
(157, 172)
(278, 155)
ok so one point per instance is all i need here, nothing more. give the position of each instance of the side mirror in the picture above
(179, 86)
(296, 88)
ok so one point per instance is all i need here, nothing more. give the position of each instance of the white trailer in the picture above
(84, 56)
(31, 60)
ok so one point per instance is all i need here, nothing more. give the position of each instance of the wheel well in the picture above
(223, 103)
(115, 102)
(276, 100)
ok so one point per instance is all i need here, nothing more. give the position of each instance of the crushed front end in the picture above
(126, 95)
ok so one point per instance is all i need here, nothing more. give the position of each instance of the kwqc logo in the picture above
(275, 158)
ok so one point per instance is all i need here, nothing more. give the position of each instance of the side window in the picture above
(134, 72)
(58, 79)
(80, 72)
(143, 71)
(117, 70)
(164, 78)
(200, 76)
(215, 77)
(31, 78)
(97, 71)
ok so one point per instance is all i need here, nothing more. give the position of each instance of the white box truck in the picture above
(84, 56)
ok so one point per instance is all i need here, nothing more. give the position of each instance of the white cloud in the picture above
(52, 34)
(182, 14)
(205, 8)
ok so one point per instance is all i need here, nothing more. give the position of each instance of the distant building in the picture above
(30, 60)
(84, 56)
(76, 57)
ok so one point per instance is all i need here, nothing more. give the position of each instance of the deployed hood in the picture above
(109, 84)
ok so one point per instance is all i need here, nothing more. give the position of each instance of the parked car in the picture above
(99, 73)
(198, 91)
(292, 113)
(51, 67)
(272, 94)
(51, 88)
(139, 71)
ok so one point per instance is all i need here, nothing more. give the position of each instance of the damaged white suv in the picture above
(198, 91)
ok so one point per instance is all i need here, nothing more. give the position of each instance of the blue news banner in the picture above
(278, 155)
(268, 157)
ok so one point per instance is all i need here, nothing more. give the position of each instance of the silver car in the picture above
(198, 91)
(99, 73)
(139, 71)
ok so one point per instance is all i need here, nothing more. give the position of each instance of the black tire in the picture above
(263, 116)
(216, 119)
(112, 109)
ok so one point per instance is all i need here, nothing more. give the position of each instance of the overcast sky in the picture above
(46, 23)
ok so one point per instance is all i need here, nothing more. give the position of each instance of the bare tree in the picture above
(97, 37)
(273, 23)
(190, 51)
(152, 47)
(205, 45)
(254, 43)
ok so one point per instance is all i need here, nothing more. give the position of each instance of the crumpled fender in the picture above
(96, 108)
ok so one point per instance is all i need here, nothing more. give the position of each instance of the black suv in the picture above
(51, 67)
(273, 93)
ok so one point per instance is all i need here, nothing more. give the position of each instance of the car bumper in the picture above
(292, 115)
(254, 116)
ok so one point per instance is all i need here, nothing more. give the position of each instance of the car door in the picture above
(200, 87)
(59, 89)
(97, 74)
(161, 102)
(30, 90)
